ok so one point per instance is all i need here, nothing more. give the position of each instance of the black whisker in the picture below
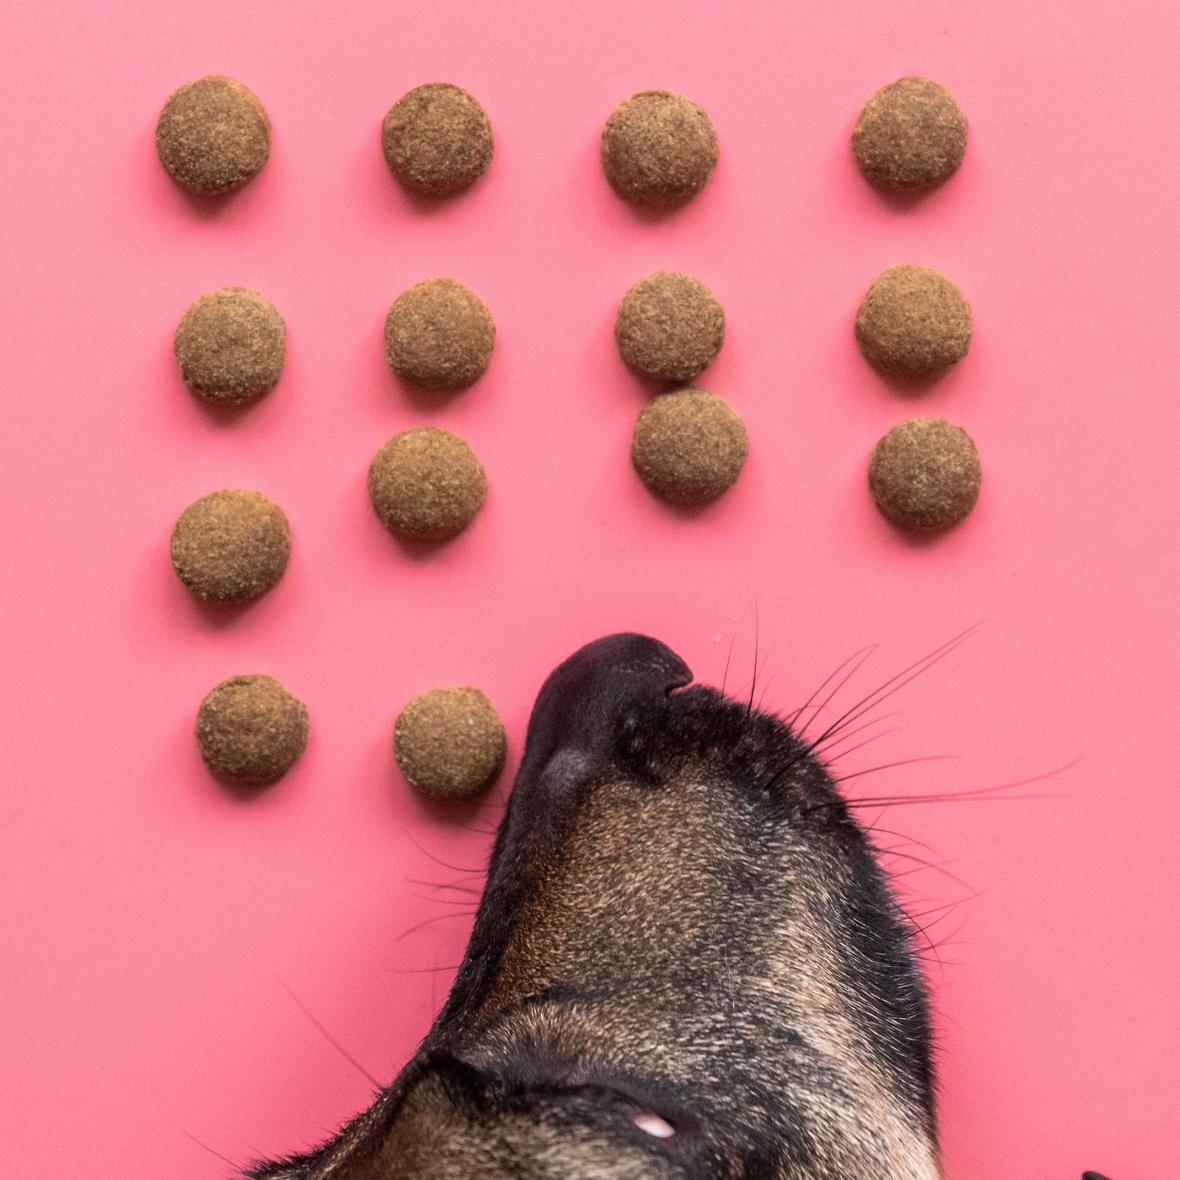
(978, 793)
(754, 678)
(870, 828)
(828, 758)
(904, 801)
(444, 864)
(430, 922)
(857, 664)
(728, 657)
(922, 864)
(328, 1036)
(441, 885)
(893, 765)
(435, 899)
(896, 683)
(823, 684)
(212, 1151)
(837, 739)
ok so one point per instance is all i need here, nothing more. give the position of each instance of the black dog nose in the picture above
(581, 701)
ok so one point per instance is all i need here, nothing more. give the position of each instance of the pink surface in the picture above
(154, 928)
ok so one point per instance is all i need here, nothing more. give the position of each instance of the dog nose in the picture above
(580, 704)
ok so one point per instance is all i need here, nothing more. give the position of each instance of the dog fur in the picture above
(683, 928)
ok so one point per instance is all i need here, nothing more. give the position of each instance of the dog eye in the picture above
(654, 1125)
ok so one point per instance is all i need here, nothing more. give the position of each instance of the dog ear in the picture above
(581, 702)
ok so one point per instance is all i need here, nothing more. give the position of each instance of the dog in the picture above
(686, 963)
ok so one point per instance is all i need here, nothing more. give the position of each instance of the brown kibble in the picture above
(910, 136)
(426, 484)
(231, 546)
(251, 731)
(213, 135)
(658, 149)
(449, 741)
(437, 140)
(231, 345)
(689, 446)
(925, 475)
(913, 323)
(439, 336)
(669, 327)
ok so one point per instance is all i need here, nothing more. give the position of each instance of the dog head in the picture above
(686, 962)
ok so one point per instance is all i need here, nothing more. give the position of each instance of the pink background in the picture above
(155, 930)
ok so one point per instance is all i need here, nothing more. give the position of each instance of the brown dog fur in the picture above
(681, 920)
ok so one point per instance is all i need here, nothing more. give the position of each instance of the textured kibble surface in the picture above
(251, 731)
(213, 135)
(924, 475)
(426, 484)
(439, 336)
(910, 136)
(437, 140)
(231, 546)
(658, 149)
(449, 741)
(913, 322)
(669, 327)
(689, 446)
(230, 346)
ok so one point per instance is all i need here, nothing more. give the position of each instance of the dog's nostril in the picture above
(654, 1125)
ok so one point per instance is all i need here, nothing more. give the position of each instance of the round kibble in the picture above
(251, 731)
(437, 140)
(230, 346)
(924, 475)
(669, 327)
(231, 546)
(913, 323)
(426, 484)
(689, 446)
(910, 136)
(658, 149)
(439, 336)
(449, 742)
(213, 135)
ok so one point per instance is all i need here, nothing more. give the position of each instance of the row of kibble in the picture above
(448, 742)
(658, 148)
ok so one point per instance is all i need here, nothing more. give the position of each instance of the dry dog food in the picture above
(251, 731)
(449, 742)
(426, 484)
(213, 136)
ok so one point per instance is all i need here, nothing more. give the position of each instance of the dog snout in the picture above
(586, 699)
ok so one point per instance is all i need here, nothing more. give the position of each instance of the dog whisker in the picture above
(211, 1150)
(444, 864)
(328, 1036)
(897, 682)
(857, 661)
(431, 921)
(794, 717)
(922, 864)
(728, 657)
(859, 745)
(827, 748)
(894, 765)
(754, 677)
(438, 886)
